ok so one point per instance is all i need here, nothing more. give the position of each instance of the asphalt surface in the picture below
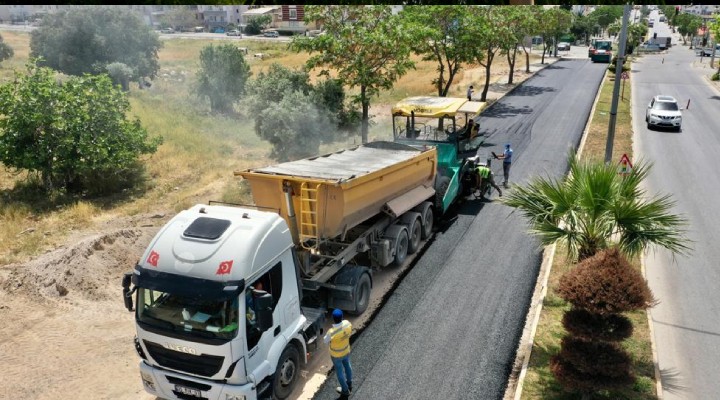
(686, 164)
(451, 328)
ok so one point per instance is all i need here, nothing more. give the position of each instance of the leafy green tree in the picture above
(491, 29)
(714, 28)
(594, 208)
(222, 76)
(366, 46)
(687, 25)
(120, 74)
(295, 126)
(527, 25)
(255, 25)
(584, 27)
(6, 52)
(88, 38)
(606, 15)
(556, 22)
(439, 34)
(74, 134)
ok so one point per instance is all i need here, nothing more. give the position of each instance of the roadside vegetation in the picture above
(543, 371)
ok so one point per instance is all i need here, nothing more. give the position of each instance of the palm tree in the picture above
(594, 207)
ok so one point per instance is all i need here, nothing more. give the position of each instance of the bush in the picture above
(74, 134)
(586, 325)
(587, 367)
(716, 76)
(605, 284)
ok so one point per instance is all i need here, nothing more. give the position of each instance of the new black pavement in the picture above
(450, 329)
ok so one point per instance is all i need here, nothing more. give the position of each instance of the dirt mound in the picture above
(88, 270)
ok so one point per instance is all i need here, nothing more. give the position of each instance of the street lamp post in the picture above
(616, 88)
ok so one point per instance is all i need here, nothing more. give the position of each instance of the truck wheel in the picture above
(286, 373)
(442, 184)
(362, 294)
(413, 221)
(399, 237)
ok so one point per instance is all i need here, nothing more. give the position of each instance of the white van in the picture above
(271, 34)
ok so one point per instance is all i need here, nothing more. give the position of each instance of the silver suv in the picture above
(663, 111)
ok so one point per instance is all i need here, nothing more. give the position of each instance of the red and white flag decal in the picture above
(224, 267)
(153, 258)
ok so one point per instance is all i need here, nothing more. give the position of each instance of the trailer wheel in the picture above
(413, 221)
(428, 218)
(399, 237)
(362, 294)
(286, 373)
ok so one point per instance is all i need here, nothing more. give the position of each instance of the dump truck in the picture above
(230, 300)
(442, 122)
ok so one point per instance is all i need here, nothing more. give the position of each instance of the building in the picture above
(214, 18)
(235, 14)
(273, 11)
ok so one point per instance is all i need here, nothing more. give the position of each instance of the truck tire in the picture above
(442, 183)
(428, 218)
(286, 373)
(413, 221)
(399, 238)
(362, 294)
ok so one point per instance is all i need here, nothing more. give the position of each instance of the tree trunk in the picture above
(441, 78)
(490, 56)
(365, 114)
(527, 61)
(511, 63)
(542, 58)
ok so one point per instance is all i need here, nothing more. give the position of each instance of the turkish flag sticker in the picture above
(224, 267)
(153, 258)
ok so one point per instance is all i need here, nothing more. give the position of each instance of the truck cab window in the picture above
(271, 283)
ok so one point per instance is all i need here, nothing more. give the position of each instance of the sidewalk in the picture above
(702, 67)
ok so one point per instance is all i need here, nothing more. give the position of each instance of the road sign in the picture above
(625, 166)
(624, 75)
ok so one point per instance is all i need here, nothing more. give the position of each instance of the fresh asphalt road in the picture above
(450, 329)
(686, 164)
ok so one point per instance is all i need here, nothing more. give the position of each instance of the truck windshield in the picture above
(188, 316)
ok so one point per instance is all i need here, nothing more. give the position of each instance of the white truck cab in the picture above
(218, 306)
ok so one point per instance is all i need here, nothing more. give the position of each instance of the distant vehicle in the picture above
(662, 18)
(167, 30)
(199, 29)
(663, 111)
(708, 51)
(271, 34)
(563, 46)
(219, 30)
(600, 50)
(233, 32)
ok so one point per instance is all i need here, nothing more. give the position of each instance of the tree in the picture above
(74, 134)
(439, 34)
(714, 28)
(89, 38)
(688, 24)
(6, 52)
(527, 25)
(179, 18)
(599, 289)
(489, 26)
(222, 76)
(324, 105)
(583, 26)
(556, 22)
(255, 25)
(594, 208)
(120, 74)
(606, 15)
(366, 46)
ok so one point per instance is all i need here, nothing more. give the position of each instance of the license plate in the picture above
(188, 391)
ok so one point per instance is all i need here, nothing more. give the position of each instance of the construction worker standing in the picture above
(339, 338)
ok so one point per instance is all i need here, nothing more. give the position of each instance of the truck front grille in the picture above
(203, 365)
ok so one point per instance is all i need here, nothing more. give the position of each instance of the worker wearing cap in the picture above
(507, 162)
(339, 338)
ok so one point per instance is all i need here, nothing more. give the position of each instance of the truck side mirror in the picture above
(127, 293)
(263, 305)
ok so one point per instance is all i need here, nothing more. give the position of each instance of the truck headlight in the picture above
(234, 396)
(148, 380)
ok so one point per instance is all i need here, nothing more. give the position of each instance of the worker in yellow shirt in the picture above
(339, 338)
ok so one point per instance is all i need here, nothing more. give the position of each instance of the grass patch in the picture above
(540, 382)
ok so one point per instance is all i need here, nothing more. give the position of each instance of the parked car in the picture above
(707, 51)
(233, 32)
(271, 34)
(199, 29)
(563, 46)
(167, 30)
(663, 111)
(649, 47)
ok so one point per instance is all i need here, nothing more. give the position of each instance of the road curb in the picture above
(514, 388)
(651, 329)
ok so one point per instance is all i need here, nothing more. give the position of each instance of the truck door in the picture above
(259, 342)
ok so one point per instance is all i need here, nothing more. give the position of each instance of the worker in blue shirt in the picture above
(507, 162)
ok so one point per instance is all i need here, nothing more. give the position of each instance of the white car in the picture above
(233, 32)
(663, 111)
(563, 46)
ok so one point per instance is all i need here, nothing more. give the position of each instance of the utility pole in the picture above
(616, 89)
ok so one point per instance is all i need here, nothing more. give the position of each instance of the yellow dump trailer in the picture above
(349, 212)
